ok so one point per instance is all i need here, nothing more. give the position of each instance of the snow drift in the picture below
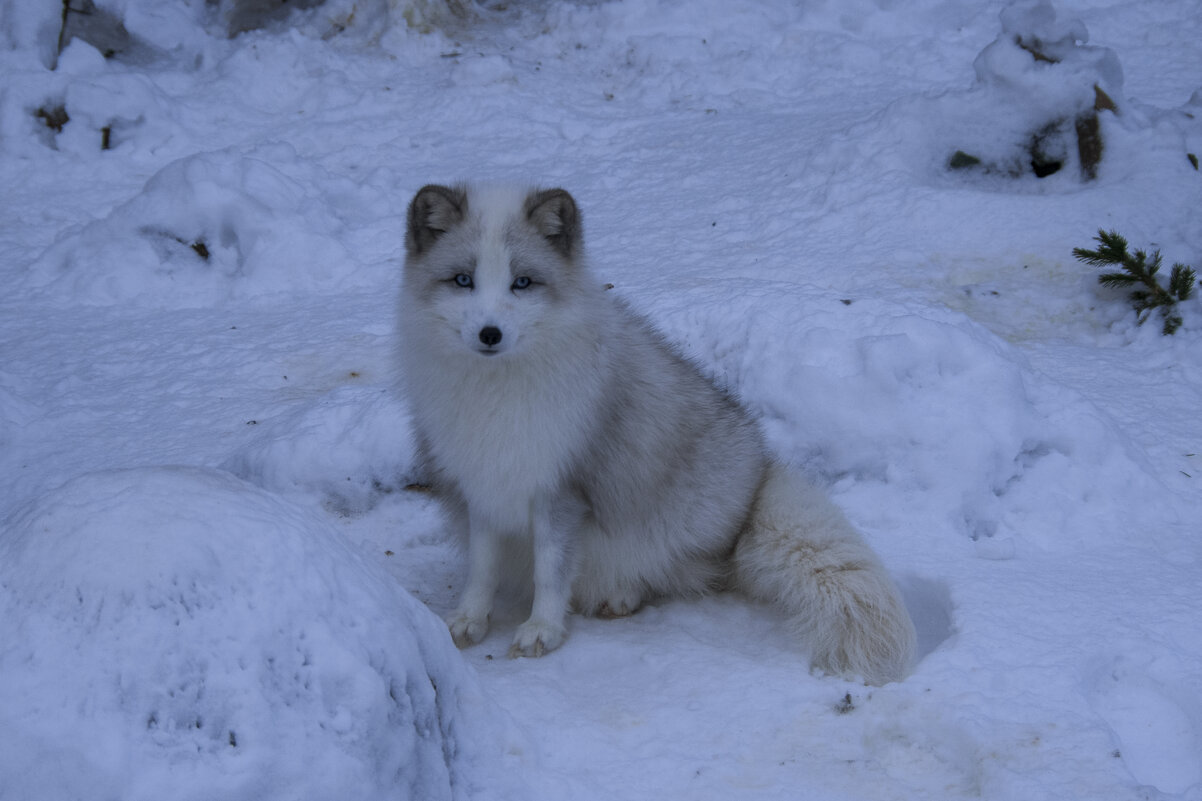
(177, 633)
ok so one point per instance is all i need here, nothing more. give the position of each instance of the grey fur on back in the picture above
(669, 475)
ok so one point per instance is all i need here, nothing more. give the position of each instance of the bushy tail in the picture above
(800, 553)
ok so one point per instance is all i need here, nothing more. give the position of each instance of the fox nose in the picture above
(490, 335)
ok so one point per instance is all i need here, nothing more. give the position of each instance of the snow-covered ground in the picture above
(209, 557)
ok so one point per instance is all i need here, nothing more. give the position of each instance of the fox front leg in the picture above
(469, 622)
(553, 574)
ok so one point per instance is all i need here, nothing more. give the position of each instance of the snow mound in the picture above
(177, 633)
(1041, 63)
(205, 229)
(1044, 103)
(923, 404)
(349, 447)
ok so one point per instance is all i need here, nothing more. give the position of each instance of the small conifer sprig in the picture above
(1139, 271)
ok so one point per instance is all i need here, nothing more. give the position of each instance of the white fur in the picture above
(583, 456)
(800, 552)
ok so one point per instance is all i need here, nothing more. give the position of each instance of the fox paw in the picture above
(618, 608)
(616, 602)
(537, 637)
(467, 629)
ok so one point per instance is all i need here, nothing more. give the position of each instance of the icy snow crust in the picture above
(770, 183)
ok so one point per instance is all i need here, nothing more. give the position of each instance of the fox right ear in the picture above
(434, 211)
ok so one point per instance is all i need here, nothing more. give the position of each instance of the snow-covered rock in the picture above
(205, 229)
(178, 633)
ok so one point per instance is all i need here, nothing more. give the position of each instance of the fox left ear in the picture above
(553, 214)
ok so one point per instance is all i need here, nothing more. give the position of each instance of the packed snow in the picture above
(219, 576)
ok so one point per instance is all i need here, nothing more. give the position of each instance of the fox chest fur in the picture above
(501, 437)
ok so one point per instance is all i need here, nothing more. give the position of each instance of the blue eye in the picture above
(522, 282)
(463, 280)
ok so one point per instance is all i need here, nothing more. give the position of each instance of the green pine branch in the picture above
(1139, 271)
(1181, 281)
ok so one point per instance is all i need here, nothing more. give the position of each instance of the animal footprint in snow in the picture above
(1158, 725)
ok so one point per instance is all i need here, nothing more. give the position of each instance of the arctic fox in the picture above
(577, 450)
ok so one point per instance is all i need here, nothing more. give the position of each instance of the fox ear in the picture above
(433, 211)
(553, 214)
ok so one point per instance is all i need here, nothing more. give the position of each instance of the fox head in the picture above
(489, 266)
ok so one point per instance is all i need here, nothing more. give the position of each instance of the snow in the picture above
(213, 567)
(203, 636)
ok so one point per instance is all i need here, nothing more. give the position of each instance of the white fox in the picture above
(577, 450)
